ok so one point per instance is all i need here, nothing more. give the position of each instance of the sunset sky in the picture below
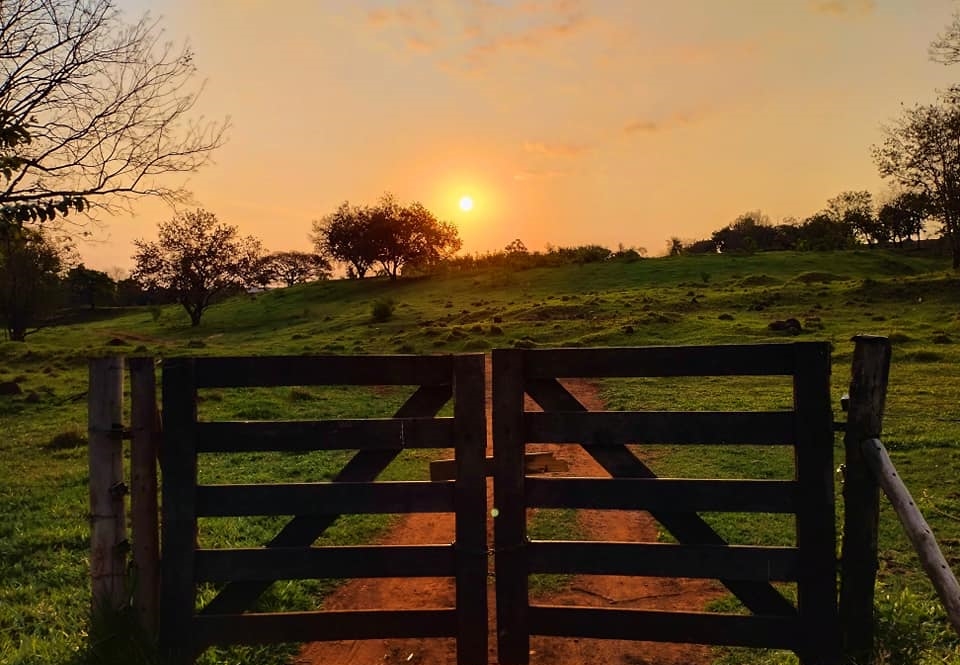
(567, 122)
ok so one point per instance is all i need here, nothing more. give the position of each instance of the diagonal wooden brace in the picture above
(303, 530)
(687, 528)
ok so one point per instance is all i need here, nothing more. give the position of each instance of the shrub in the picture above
(382, 310)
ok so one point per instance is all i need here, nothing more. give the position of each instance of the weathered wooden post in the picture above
(917, 529)
(145, 434)
(108, 539)
(861, 511)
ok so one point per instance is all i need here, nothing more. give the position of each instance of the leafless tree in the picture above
(94, 110)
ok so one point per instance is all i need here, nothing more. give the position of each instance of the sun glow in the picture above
(466, 203)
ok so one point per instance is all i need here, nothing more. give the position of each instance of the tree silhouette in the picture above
(93, 110)
(197, 259)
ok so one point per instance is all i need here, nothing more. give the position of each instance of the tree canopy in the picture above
(388, 234)
(93, 110)
(197, 259)
(293, 267)
(31, 263)
(921, 153)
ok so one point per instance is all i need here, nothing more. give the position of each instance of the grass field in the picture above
(912, 299)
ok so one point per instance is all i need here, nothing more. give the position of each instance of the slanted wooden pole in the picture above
(861, 511)
(917, 529)
(145, 431)
(108, 539)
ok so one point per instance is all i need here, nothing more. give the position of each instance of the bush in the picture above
(382, 310)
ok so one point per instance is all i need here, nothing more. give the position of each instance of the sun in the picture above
(466, 203)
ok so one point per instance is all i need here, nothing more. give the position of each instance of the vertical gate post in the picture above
(471, 507)
(178, 461)
(861, 513)
(816, 528)
(108, 540)
(144, 426)
(510, 524)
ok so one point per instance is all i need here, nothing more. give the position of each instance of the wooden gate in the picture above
(185, 631)
(810, 628)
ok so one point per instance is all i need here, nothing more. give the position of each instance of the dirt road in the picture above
(588, 590)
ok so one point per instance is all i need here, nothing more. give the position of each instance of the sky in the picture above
(568, 122)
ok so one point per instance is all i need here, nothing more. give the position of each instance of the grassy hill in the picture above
(911, 298)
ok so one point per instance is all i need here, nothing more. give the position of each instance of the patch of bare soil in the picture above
(587, 590)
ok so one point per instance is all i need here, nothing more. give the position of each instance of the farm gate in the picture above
(226, 619)
(810, 627)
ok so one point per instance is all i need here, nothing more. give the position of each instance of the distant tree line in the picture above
(850, 219)
(516, 256)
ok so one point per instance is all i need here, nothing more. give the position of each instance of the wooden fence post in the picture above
(916, 528)
(108, 540)
(861, 511)
(145, 432)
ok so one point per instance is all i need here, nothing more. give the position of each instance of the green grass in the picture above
(44, 597)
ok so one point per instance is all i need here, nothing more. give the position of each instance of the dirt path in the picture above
(588, 590)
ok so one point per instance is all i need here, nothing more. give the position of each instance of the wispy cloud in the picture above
(655, 126)
(536, 174)
(554, 149)
(484, 29)
(843, 7)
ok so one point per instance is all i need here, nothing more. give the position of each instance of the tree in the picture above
(93, 110)
(31, 262)
(921, 153)
(295, 267)
(903, 216)
(344, 235)
(89, 287)
(392, 235)
(675, 246)
(822, 233)
(197, 259)
(855, 209)
(408, 236)
(945, 49)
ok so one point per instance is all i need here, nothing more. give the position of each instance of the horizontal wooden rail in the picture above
(319, 626)
(664, 494)
(678, 427)
(272, 371)
(325, 498)
(305, 436)
(732, 562)
(298, 563)
(659, 626)
(724, 360)
(916, 527)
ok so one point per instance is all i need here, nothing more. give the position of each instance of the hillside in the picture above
(913, 299)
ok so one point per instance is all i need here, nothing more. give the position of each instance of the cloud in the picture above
(536, 174)
(419, 45)
(843, 7)
(466, 36)
(554, 149)
(651, 126)
(529, 38)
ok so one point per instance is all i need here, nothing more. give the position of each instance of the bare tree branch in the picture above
(106, 106)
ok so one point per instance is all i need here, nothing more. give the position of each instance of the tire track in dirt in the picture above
(586, 590)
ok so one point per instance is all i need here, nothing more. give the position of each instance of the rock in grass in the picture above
(10, 388)
(726, 317)
(790, 326)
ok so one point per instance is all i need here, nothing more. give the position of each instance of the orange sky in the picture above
(567, 121)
